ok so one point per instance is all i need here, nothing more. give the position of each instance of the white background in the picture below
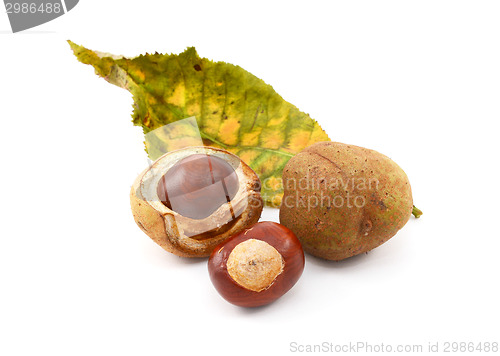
(416, 80)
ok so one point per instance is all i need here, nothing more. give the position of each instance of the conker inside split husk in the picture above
(190, 200)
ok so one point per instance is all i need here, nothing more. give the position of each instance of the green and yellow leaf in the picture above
(234, 109)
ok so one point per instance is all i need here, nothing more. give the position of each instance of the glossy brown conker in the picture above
(198, 185)
(261, 277)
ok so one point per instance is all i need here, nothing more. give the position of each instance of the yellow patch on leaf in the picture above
(140, 75)
(298, 140)
(177, 98)
(193, 109)
(270, 164)
(271, 139)
(228, 131)
(251, 138)
(318, 135)
(152, 100)
(276, 121)
(248, 156)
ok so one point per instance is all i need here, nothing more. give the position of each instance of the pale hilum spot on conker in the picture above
(254, 264)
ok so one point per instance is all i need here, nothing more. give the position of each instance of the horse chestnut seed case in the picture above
(258, 265)
(190, 200)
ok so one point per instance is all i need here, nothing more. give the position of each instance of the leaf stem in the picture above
(205, 136)
(416, 212)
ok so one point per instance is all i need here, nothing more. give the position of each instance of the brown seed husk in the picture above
(334, 175)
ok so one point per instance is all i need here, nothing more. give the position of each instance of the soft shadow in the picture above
(192, 260)
(351, 262)
(255, 310)
(156, 255)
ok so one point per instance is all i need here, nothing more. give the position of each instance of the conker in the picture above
(198, 185)
(190, 200)
(258, 265)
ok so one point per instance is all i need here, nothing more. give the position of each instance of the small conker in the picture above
(258, 265)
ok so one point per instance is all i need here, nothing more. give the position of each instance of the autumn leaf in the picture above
(234, 109)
